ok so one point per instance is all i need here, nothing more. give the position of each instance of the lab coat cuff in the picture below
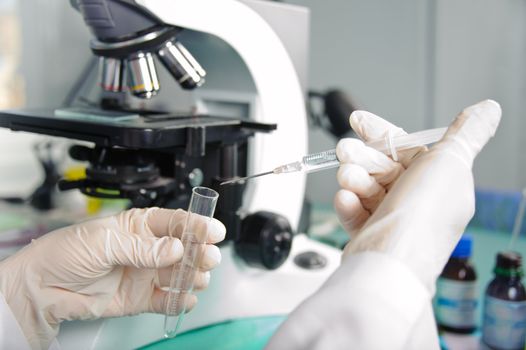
(387, 278)
(372, 301)
(11, 334)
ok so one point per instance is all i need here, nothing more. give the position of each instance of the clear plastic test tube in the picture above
(194, 237)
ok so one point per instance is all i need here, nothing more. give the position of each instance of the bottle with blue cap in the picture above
(456, 301)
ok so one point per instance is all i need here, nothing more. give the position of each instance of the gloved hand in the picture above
(417, 208)
(108, 267)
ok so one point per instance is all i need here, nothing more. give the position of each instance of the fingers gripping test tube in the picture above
(194, 238)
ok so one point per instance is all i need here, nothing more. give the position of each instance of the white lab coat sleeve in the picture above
(11, 335)
(372, 301)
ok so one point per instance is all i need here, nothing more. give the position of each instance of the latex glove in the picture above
(417, 208)
(108, 267)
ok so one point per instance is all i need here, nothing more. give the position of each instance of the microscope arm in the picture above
(278, 88)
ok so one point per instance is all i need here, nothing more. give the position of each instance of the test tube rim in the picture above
(205, 192)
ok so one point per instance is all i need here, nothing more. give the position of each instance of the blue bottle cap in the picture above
(463, 248)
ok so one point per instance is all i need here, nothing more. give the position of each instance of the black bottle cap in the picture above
(509, 260)
(508, 264)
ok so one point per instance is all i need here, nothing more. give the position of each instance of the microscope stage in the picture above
(138, 130)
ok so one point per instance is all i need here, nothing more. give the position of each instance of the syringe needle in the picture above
(239, 179)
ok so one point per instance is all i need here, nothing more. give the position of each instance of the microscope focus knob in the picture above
(265, 240)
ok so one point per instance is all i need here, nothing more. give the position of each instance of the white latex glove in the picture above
(417, 208)
(108, 267)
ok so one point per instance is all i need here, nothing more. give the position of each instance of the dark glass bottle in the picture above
(504, 323)
(456, 295)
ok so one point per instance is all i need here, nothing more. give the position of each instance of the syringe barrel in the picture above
(320, 161)
(328, 159)
(407, 141)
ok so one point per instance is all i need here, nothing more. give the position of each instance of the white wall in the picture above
(418, 63)
(376, 50)
(480, 53)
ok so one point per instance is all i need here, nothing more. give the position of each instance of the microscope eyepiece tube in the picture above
(181, 64)
(111, 73)
(142, 78)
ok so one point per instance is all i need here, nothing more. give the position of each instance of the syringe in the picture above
(388, 145)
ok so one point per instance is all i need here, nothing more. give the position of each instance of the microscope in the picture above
(247, 118)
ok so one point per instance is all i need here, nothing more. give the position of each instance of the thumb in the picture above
(142, 252)
(370, 127)
(471, 130)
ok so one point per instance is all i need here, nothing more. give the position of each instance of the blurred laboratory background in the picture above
(416, 63)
